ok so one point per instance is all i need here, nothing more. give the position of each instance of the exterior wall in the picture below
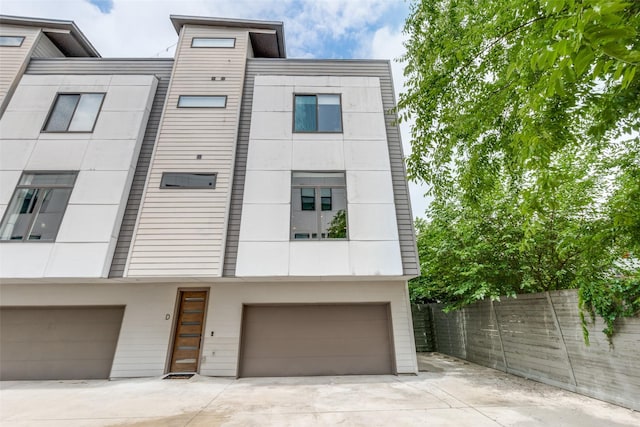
(220, 351)
(144, 342)
(44, 48)
(275, 151)
(335, 68)
(182, 232)
(105, 159)
(13, 60)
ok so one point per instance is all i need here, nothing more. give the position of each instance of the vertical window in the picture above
(11, 41)
(74, 112)
(318, 206)
(317, 113)
(37, 206)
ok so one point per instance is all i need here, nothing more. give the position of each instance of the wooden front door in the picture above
(186, 344)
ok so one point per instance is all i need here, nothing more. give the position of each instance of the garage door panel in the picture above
(314, 345)
(42, 343)
(319, 329)
(289, 340)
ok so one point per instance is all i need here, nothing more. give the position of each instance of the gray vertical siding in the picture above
(161, 68)
(356, 68)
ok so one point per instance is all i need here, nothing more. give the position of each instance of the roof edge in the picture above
(179, 21)
(55, 24)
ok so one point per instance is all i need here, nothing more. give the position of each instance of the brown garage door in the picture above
(292, 340)
(58, 343)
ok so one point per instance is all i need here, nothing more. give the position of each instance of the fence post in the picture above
(504, 356)
(564, 344)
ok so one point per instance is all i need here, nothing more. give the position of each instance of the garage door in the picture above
(292, 340)
(56, 343)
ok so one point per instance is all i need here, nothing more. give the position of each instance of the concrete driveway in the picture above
(450, 392)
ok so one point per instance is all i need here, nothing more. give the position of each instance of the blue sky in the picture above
(313, 29)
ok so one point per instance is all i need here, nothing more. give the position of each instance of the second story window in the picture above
(317, 113)
(188, 180)
(37, 206)
(202, 101)
(318, 206)
(11, 41)
(74, 112)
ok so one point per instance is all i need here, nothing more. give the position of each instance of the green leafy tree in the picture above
(526, 120)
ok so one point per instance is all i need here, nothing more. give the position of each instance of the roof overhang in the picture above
(64, 34)
(267, 39)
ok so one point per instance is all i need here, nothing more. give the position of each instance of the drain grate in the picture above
(177, 376)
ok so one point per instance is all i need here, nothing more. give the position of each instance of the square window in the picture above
(37, 206)
(324, 189)
(74, 112)
(11, 41)
(317, 113)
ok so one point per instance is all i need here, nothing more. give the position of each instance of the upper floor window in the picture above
(213, 42)
(188, 180)
(74, 112)
(317, 113)
(202, 101)
(318, 205)
(11, 41)
(37, 206)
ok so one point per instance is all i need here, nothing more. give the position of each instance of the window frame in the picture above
(53, 106)
(213, 38)
(22, 38)
(19, 186)
(201, 96)
(293, 123)
(215, 181)
(318, 208)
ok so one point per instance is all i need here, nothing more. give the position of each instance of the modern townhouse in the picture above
(228, 211)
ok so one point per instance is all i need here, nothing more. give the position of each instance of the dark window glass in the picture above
(305, 113)
(329, 119)
(74, 112)
(308, 199)
(37, 207)
(188, 180)
(325, 198)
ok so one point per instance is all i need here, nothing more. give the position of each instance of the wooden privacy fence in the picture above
(539, 336)
(422, 327)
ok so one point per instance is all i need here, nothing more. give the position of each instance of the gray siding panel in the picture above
(356, 68)
(161, 68)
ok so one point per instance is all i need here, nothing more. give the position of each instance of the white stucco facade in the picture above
(360, 151)
(104, 159)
